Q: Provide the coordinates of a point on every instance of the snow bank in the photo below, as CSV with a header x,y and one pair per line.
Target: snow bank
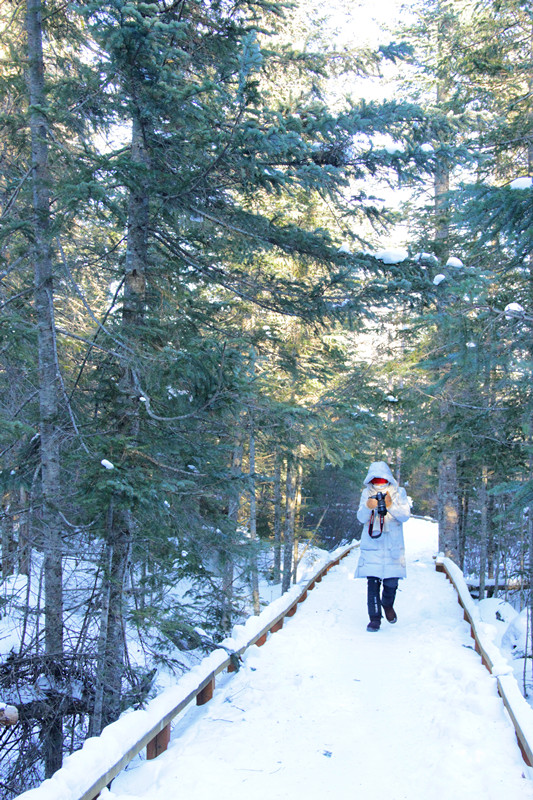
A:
x,y
515,638
122,740
496,661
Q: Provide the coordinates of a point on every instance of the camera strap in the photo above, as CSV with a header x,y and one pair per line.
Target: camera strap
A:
x,y
371,526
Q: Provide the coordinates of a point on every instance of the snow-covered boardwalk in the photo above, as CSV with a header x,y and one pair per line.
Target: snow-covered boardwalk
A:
x,y
326,709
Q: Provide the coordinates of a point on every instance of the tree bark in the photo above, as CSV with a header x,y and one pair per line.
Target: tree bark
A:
x,y
483,533
111,668
253,521
448,495
277,518
228,566
8,542
288,534
24,539
49,426
448,508
297,509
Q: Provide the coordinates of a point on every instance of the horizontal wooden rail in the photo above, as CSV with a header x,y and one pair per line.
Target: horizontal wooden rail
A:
x,y
121,741
519,710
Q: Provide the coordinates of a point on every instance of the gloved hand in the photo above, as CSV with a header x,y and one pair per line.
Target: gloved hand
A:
x,y
9,715
373,503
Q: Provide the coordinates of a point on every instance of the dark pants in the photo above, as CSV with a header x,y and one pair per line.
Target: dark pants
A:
x,y
375,602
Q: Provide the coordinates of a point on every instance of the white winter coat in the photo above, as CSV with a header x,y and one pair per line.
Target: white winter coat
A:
x,y
383,557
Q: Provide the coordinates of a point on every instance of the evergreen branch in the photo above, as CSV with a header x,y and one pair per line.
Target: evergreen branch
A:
x,y
209,169
89,343
237,281
60,375
16,192
83,299
157,463
16,296
192,414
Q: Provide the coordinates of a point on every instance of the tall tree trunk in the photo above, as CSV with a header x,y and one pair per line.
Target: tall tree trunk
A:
x,y
448,495
530,542
253,521
8,540
463,505
112,666
48,372
95,724
24,542
288,534
228,566
137,248
448,508
483,532
297,509
277,517
120,521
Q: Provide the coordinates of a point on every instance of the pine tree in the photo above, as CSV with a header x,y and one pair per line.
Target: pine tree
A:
x,y
220,201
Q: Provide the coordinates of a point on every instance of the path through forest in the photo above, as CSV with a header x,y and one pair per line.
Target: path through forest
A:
x,y
327,709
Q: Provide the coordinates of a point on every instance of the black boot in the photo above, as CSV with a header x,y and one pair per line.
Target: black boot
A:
x,y
390,585
373,601
374,625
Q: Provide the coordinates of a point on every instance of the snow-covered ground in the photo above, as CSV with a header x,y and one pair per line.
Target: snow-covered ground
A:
x,y
325,708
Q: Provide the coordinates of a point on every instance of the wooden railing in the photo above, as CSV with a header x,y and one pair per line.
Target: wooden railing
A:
x,y
120,742
519,710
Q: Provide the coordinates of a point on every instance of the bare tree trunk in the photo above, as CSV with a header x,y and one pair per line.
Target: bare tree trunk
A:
x,y
228,566
448,509
463,515
297,508
288,535
112,668
277,518
491,539
8,542
448,495
95,725
138,220
530,545
483,532
48,370
24,542
253,521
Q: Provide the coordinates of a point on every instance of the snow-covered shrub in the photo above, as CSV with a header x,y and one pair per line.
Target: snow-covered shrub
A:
x,y
494,609
515,639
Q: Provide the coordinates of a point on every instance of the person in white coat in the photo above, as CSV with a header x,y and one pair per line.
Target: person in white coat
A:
x,y
382,553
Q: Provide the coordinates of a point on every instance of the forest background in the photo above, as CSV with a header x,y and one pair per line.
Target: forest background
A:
x,y
230,278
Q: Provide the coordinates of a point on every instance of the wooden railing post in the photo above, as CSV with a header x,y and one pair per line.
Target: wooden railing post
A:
x,y
159,743
205,694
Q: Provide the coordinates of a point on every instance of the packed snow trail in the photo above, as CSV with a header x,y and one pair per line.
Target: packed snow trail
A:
x,y
325,709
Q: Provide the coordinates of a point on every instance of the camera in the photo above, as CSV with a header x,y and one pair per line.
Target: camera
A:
x,y
382,506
